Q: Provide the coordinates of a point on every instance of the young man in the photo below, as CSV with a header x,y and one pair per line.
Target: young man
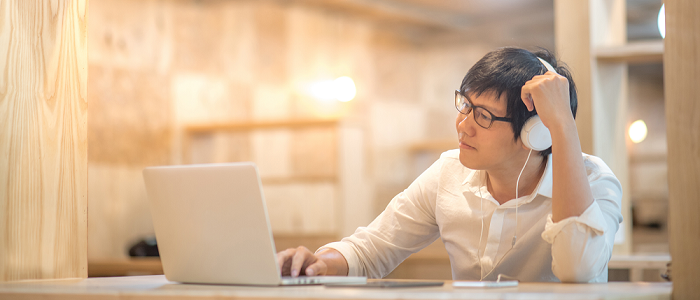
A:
x,y
499,207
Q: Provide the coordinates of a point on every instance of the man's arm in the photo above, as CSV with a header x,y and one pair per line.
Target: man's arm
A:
x,y
571,192
583,225
404,227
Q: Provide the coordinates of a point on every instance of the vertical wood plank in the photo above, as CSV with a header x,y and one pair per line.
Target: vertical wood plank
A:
x,y
573,46
580,27
681,73
43,139
609,102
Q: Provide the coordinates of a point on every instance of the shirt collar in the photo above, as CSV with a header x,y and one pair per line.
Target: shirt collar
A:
x,y
544,187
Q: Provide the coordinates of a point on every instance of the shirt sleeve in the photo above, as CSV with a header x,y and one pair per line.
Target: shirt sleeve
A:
x,y
582,246
406,226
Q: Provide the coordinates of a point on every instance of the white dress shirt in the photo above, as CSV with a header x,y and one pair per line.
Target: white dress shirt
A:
x,y
444,202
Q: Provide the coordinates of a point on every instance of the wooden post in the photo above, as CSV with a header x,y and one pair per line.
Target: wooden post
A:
x,y
573,46
581,27
43,139
682,96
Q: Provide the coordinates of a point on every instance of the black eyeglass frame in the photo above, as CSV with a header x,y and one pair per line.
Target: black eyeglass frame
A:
x,y
472,107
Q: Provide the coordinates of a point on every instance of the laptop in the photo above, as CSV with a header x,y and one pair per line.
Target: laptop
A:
x,y
212,226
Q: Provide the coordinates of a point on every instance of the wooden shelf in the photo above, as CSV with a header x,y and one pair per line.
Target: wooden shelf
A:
x,y
634,52
649,158
440,145
243,126
125,267
637,263
645,261
300,179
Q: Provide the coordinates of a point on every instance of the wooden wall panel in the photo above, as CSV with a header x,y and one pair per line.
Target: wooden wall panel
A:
x,y
214,62
219,147
197,28
118,210
682,93
313,152
43,139
270,38
398,69
132,117
130,34
299,208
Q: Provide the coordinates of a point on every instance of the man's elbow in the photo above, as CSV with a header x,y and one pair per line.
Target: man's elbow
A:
x,y
582,273
588,265
586,276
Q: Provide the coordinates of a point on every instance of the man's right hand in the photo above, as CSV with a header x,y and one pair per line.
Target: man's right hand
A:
x,y
300,261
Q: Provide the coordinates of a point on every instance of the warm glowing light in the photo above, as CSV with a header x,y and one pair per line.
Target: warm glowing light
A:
x,y
662,21
323,90
638,131
344,88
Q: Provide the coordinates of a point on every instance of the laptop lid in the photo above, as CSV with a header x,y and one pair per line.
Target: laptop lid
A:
x,y
211,224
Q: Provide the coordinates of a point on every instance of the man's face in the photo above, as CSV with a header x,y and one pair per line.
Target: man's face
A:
x,y
492,148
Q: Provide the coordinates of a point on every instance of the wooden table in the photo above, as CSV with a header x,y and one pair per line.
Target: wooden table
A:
x,y
157,287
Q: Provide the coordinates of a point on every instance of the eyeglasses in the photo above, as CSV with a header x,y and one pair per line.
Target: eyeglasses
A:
x,y
482,116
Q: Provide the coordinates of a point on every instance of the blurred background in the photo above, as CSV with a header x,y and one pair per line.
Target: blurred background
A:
x,y
205,81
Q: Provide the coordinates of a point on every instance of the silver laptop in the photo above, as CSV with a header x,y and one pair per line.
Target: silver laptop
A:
x,y
212,226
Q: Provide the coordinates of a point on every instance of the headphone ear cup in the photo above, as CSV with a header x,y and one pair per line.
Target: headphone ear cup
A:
x,y
535,135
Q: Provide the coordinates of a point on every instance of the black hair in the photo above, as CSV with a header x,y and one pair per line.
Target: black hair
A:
x,y
505,71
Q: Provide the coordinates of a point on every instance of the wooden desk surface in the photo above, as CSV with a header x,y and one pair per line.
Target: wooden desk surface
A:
x,y
157,287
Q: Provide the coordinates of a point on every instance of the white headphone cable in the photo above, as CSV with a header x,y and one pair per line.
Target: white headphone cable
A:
x,y
517,183
478,248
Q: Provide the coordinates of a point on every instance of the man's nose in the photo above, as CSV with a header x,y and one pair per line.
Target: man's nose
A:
x,y
465,125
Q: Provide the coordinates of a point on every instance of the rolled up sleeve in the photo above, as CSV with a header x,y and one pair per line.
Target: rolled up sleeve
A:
x,y
348,252
406,226
582,245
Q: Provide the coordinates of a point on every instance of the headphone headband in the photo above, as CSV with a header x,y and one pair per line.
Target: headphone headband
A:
x,y
547,65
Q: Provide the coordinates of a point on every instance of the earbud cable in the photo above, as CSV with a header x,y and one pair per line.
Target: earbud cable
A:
x,y
478,249
517,184
515,235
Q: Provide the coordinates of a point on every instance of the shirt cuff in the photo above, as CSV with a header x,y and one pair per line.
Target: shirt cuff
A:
x,y
350,257
591,218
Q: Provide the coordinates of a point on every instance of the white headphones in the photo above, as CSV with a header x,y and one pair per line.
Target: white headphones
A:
x,y
534,134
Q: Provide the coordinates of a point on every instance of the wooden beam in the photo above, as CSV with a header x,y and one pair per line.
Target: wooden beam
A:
x,y
573,46
682,96
43,139
246,126
636,52
581,27
404,13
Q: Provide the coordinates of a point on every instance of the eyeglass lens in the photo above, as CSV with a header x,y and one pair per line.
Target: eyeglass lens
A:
x,y
481,116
